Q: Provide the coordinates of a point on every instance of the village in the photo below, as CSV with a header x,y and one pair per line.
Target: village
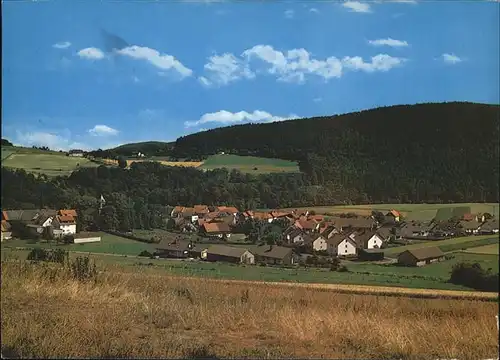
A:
x,y
277,237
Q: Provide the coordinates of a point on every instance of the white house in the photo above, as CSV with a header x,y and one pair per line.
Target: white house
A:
x,y
319,243
67,224
341,245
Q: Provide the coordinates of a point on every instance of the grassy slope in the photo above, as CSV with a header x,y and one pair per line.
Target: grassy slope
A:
x,y
466,241
492,249
249,163
51,163
143,313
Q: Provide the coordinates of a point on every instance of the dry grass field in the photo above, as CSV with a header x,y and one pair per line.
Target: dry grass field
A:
x,y
167,163
141,313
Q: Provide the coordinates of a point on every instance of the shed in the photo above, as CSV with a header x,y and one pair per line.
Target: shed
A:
x,y
272,254
420,257
370,254
228,254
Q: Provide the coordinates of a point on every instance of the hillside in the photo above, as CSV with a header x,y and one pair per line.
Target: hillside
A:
x,y
407,153
151,148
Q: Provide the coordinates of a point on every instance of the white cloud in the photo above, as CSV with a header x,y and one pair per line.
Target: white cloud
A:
x,y
380,62
294,65
356,6
52,140
225,117
289,14
224,69
161,61
102,130
451,58
314,10
388,42
404,1
318,99
91,53
62,45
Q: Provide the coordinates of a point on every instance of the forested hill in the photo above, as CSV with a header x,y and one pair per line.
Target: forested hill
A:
x,y
407,152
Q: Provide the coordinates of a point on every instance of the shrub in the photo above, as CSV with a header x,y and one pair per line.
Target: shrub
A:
x,y
473,276
82,269
146,254
56,255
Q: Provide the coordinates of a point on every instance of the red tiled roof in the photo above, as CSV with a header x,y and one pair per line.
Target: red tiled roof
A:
x,y
468,217
229,209
66,219
216,227
262,216
395,213
200,209
68,212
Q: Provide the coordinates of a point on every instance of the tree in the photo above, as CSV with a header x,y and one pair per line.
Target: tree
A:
x,y
122,163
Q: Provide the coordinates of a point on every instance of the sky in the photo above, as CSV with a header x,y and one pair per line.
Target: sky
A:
x,y
96,74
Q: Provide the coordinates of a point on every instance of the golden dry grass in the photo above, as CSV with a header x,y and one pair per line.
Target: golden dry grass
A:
x,y
486,249
141,313
167,163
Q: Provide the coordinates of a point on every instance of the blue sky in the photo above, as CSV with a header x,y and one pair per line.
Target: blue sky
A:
x,y
89,74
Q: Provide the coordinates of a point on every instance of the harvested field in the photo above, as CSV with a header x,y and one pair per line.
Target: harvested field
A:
x,y
49,163
146,314
166,163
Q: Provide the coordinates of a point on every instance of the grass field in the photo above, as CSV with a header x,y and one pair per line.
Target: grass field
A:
x,y
445,245
115,250
486,249
248,164
141,312
109,244
421,212
50,163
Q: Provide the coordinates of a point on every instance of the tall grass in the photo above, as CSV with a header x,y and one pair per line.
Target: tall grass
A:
x,y
147,314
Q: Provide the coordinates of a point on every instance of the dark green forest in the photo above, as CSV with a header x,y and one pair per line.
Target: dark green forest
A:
x,y
408,153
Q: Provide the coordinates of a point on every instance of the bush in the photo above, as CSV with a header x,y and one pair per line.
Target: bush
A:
x,y
56,255
146,254
473,276
82,269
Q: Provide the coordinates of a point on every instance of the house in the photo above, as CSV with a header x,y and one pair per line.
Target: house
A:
x,y
354,223
228,254
216,229
263,216
176,248
67,212
341,245
307,225
200,210
489,227
415,230
368,240
330,231
273,255
385,233
6,230
420,257
176,211
319,243
189,214
393,215
280,214
231,210
297,237
66,223
470,227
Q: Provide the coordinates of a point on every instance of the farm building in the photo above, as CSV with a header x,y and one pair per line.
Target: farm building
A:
x,y
228,254
177,248
489,227
76,153
273,255
84,238
393,216
216,229
470,227
420,257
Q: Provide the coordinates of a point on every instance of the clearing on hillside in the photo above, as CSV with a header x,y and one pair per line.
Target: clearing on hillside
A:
x,y
51,164
421,212
249,164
